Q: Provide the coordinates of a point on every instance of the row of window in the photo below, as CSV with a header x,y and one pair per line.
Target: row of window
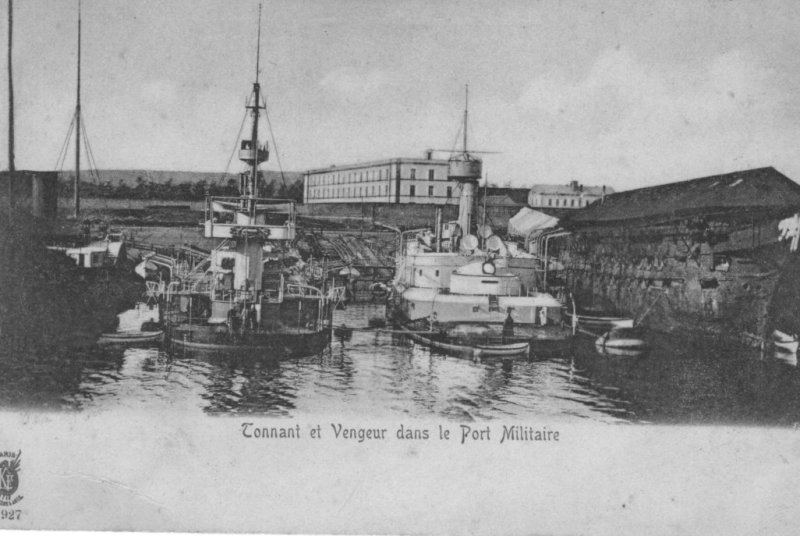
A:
x,y
412,191
361,176
566,202
321,193
370,191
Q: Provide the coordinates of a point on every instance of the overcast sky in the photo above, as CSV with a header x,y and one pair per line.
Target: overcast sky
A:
x,y
620,93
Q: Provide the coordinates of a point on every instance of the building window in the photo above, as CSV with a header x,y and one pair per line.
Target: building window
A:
x,y
413,173
449,191
572,203
411,190
430,174
430,190
549,202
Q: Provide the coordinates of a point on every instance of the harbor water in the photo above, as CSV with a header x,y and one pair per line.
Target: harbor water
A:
x,y
380,374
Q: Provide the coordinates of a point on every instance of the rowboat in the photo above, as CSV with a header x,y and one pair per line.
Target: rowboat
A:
x,y
599,322
270,346
621,341
476,351
130,337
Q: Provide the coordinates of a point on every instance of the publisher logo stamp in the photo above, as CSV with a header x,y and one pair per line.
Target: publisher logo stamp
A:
x,y
9,478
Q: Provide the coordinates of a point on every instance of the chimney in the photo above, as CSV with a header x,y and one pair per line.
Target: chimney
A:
x,y
573,185
603,195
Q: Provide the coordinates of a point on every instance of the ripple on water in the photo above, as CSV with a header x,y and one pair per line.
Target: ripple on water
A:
x,y
378,374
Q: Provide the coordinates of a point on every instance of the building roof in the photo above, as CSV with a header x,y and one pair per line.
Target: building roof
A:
x,y
750,191
517,196
421,160
568,189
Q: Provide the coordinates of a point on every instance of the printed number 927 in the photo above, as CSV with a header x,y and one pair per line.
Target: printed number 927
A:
x,y
11,514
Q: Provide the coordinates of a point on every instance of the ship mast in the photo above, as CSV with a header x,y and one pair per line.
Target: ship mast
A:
x,y
77,189
466,111
466,171
11,166
251,191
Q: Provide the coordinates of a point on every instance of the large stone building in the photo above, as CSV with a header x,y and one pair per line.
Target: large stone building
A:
x,y
395,180
560,196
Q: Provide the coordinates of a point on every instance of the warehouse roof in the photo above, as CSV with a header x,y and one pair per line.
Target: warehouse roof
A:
x,y
754,190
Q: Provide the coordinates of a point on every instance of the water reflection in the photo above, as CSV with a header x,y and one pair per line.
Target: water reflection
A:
x,y
379,374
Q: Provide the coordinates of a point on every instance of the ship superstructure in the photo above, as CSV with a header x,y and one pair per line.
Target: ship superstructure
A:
x,y
469,285
229,300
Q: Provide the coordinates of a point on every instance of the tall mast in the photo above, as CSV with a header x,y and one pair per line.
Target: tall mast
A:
x,y
255,107
77,189
11,166
466,108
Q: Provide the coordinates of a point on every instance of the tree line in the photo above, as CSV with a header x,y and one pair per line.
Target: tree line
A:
x,y
169,190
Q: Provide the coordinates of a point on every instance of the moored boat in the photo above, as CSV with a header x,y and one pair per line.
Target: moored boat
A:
x,y
622,341
470,349
130,337
598,321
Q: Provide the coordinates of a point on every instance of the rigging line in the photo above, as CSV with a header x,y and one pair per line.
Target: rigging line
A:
x,y
62,154
455,141
238,135
274,144
93,170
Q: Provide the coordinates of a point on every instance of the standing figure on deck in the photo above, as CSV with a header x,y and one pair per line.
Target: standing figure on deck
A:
x,y
508,326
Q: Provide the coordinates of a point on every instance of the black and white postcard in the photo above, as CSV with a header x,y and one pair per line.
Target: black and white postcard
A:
x,y
400,267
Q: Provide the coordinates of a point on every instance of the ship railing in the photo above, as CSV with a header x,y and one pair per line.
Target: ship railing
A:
x,y
401,250
198,274
191,286
299,290
336,294
234,295
157,289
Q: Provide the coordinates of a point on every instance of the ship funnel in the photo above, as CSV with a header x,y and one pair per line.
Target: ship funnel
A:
x,y
466,170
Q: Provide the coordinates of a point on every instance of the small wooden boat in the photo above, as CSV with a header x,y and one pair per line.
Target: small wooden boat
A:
x,y
514,348
476,351
597,321
130,337
622,341
273,346
784,342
